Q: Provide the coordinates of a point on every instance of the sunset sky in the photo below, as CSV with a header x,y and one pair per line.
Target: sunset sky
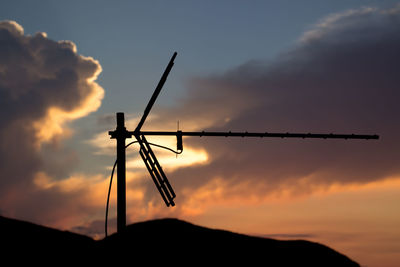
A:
x,y
66,68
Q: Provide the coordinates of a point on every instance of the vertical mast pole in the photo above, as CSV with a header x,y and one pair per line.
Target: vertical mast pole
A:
x,y
121,134
121,174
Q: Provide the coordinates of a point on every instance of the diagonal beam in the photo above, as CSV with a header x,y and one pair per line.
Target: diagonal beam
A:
x,y
156,171
156,92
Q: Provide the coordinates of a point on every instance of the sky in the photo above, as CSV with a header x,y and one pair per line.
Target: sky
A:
x,y
67,67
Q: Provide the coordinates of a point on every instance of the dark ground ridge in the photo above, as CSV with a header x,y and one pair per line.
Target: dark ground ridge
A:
x,y
167,242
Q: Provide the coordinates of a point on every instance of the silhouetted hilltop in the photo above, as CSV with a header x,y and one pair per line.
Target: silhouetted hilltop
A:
x,y
24,242
166,241
179,242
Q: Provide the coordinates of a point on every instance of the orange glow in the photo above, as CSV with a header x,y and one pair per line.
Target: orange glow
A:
x,y
190,156
53,124
169,161
94,187
352,219
357,220
219,192
89,193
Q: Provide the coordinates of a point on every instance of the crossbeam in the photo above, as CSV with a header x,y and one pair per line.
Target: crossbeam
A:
x,y
259,134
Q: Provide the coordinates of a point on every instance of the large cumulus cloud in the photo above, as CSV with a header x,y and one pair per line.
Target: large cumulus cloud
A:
x,y
44,84
342,76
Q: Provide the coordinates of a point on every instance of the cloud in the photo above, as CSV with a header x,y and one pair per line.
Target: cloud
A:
x,y
44,84
340,77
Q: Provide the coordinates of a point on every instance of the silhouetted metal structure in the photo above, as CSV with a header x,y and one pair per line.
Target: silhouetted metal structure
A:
x,y
153,166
